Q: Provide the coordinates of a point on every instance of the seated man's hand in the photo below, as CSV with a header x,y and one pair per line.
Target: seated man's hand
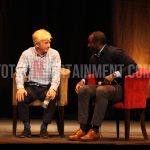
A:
x,y
51,94
20,94
108,79
79,85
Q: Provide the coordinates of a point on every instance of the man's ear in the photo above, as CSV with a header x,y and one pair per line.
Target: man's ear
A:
x,y
36,45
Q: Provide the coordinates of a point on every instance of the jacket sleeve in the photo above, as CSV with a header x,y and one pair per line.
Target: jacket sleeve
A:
x,y
125,63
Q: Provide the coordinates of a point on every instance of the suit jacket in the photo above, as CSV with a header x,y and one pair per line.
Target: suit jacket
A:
x,y
112,59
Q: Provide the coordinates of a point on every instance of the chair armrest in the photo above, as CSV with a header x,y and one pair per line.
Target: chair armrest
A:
x,y
90,79
63,87
148,89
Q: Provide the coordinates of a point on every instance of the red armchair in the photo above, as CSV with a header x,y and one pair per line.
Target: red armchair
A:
x,y
135,96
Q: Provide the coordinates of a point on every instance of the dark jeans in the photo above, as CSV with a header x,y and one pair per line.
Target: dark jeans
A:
x,y
103,96
36,92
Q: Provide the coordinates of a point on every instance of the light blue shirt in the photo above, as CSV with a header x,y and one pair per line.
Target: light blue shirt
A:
x,y
43,69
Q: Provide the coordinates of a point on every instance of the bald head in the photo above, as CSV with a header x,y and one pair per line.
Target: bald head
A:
x,y
98,37
96,41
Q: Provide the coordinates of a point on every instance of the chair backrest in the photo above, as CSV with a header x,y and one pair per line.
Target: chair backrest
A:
x,y
62,90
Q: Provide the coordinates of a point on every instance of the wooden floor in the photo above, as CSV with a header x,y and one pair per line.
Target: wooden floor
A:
x,y
108,131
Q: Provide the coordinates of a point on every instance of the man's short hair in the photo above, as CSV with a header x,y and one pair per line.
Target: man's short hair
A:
x,y
41,34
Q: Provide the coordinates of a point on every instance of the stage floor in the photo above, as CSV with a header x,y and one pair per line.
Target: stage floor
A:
x,y
108,131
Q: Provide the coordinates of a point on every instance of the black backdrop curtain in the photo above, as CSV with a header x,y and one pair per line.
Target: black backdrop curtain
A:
x,y
70,22
125,22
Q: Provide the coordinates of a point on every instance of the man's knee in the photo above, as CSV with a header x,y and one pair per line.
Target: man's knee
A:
x,y
103,89
83,90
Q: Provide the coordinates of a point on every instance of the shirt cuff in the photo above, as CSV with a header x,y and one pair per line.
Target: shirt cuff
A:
x,y
118,74
20,87
54,88
83,80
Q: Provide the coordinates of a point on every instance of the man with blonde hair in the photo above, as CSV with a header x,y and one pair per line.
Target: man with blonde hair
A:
x,y
42,64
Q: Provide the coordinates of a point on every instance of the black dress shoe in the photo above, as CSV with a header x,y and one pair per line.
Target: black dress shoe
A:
x,y
43,133
25,133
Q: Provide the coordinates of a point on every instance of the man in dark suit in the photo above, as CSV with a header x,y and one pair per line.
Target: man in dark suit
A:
x,y
112,65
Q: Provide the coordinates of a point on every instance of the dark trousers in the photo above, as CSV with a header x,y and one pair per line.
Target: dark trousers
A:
x,y
103,96
36,92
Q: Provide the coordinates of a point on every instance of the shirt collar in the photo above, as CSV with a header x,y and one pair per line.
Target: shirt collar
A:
x,y
37,54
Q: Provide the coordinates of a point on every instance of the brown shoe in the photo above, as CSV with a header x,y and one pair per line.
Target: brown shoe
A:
x,y
91,136
77,135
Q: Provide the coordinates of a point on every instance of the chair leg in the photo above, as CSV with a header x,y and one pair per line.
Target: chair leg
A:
x,y
14,120
117,121
117,127
142,122
127,123
60,120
